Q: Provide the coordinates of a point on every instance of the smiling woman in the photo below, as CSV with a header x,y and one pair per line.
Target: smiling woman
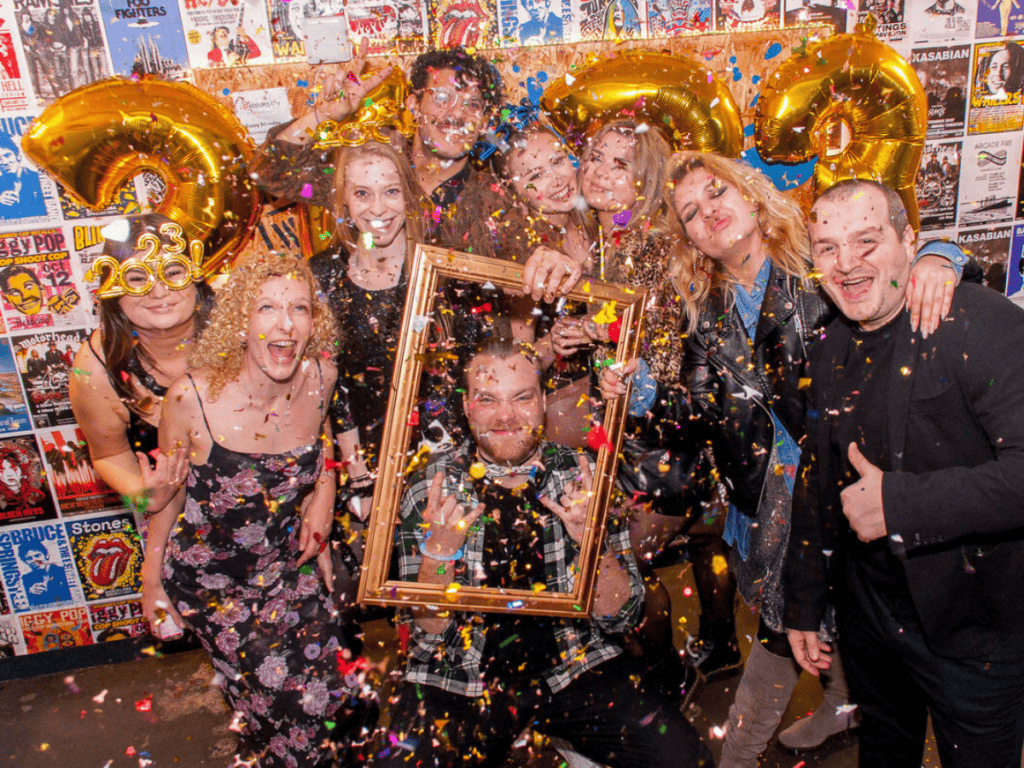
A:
x,y
226,554
152,304
364,275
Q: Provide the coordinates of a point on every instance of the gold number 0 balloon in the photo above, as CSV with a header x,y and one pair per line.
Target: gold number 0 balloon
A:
x,y
694,109
854,80
95,138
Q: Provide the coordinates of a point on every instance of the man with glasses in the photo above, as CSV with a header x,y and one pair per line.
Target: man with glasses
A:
x,y
454,97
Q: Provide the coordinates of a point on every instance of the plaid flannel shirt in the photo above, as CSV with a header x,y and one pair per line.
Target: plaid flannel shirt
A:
x,y
452,659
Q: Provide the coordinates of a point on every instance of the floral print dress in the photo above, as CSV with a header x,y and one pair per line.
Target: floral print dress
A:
x,y
269,627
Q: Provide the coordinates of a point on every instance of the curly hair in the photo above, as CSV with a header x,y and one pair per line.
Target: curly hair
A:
x,y
469,68
416,206
220,350
651,155
780,219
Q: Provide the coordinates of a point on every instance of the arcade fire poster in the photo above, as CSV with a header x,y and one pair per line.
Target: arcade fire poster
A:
x,y
988,179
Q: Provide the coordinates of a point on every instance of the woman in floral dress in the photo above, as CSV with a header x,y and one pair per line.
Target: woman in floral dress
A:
x,y
242,544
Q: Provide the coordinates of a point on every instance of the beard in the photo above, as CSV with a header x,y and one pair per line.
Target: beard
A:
x,y
508,450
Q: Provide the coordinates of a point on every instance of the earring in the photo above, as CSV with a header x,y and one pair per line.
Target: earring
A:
x,y
762,223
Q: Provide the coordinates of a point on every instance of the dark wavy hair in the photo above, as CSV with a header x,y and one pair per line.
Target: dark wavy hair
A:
x,y
469,68
117,333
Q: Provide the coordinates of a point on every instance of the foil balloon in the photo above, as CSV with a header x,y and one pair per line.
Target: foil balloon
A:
x,y
383,109
848,84
97,137
694,109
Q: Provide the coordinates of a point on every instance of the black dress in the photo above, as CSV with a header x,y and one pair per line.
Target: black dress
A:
x,y
370,323
269,627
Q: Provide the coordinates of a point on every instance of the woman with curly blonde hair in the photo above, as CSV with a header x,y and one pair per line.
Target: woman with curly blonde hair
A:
x,y
753,311
226,555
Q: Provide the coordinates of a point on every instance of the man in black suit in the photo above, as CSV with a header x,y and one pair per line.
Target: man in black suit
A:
x,y
908,515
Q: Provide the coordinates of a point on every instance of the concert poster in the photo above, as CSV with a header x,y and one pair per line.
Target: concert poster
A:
x,y
108,553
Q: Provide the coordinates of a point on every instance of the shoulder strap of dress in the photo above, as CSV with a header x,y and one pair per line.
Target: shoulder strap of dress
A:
x,y
88,343
200,401
320,372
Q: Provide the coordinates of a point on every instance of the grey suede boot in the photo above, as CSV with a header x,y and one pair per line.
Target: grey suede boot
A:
x,y
761,699
833,716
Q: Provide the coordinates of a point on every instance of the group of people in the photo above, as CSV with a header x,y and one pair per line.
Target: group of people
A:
x,y
800,369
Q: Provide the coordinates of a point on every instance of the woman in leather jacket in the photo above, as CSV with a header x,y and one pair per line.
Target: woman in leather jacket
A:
x,y
752,312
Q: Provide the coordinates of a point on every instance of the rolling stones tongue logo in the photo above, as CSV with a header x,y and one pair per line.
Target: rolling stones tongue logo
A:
x,y
108,560
460,23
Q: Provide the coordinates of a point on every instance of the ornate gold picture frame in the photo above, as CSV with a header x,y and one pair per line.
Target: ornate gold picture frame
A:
x,y
433,269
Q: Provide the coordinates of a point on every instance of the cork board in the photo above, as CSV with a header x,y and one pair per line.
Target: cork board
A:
x,y
741,59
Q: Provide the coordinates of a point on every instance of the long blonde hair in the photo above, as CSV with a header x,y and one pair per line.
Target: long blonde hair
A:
x,y
651,155
220,349
782,224
346,233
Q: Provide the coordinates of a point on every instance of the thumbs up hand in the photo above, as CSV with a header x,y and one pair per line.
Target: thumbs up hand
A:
x,y
862,501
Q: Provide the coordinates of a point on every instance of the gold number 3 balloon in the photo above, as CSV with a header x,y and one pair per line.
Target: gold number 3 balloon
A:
x,y
95,138
854,81
694,109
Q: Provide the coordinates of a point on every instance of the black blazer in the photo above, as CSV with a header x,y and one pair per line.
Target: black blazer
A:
x,y
954,502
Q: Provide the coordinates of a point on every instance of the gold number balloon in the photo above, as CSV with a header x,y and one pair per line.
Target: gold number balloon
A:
x,y
854,82
95,138
694,109
384,106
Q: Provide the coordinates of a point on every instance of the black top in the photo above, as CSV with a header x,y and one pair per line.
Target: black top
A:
x,y
370,323
142,436
858,415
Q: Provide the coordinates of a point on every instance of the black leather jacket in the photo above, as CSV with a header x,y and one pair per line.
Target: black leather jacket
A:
x,y
732,384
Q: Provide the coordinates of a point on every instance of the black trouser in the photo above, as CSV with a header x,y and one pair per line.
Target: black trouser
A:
x,y
977,707
603,714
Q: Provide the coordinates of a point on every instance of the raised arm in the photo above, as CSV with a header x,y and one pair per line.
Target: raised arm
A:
x,y
340,95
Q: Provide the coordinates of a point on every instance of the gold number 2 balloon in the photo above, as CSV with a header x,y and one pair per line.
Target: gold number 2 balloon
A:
x,y
95,138
694,109
853,81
